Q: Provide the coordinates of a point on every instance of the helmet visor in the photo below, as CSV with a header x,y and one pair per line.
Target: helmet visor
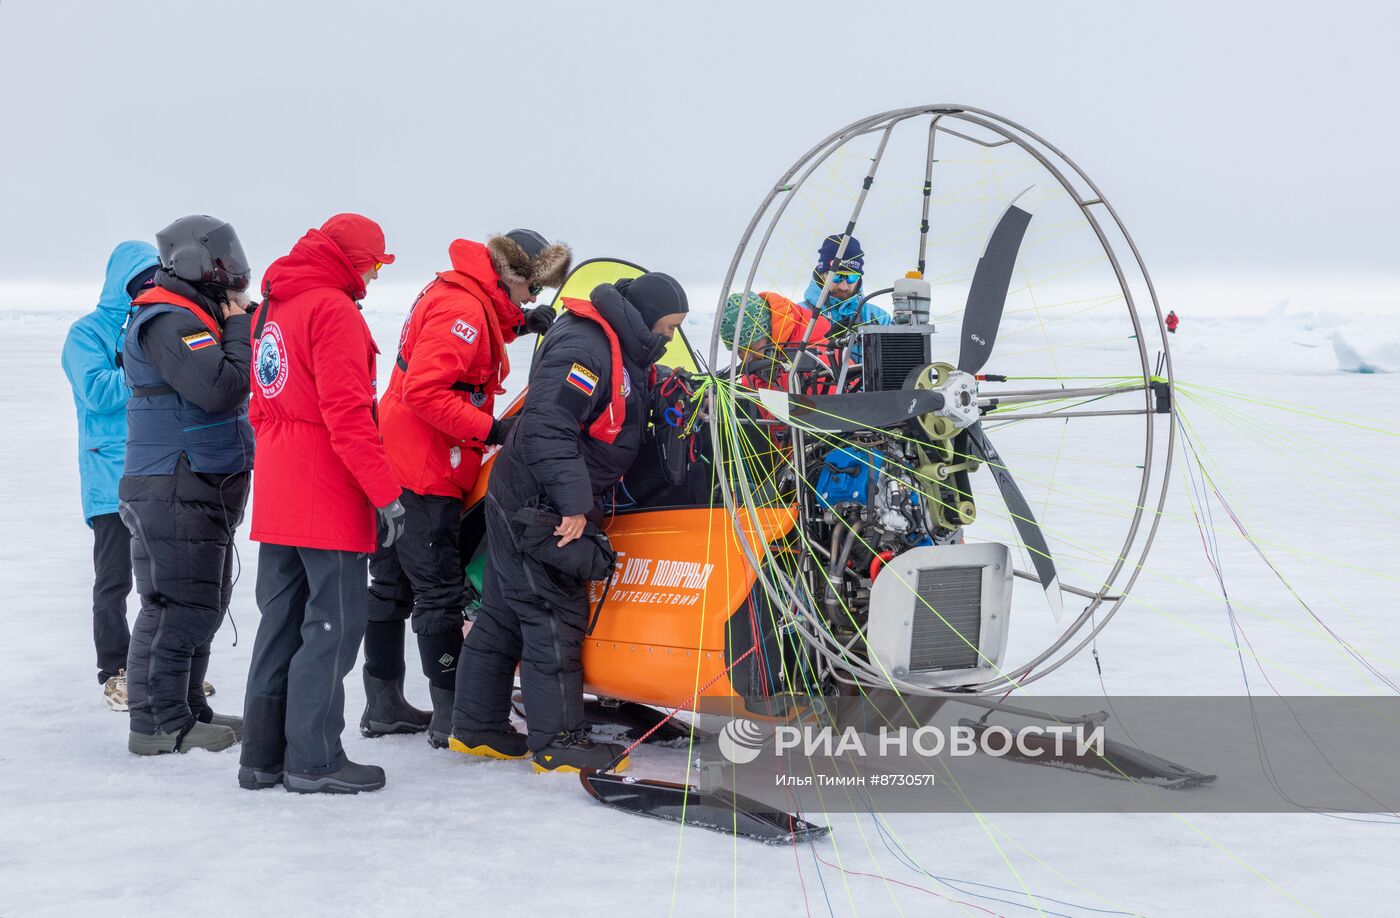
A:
x,y
231,268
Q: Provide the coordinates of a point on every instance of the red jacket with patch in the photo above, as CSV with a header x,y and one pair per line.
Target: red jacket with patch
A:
x,y
321,468
439,405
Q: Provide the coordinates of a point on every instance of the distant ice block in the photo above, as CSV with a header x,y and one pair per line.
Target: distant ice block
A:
x,y
1371,357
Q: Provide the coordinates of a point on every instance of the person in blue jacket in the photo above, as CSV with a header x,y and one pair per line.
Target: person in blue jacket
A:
x,y
91,360
842,306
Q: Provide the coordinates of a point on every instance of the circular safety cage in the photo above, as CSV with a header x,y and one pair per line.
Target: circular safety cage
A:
x,y
984,403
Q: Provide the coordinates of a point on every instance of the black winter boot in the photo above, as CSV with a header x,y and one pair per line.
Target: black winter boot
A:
x,y
250,778
388,711
490,744
440,727
573,751
351,778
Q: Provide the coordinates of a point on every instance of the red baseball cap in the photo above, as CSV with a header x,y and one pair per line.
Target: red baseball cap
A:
x,y
360,238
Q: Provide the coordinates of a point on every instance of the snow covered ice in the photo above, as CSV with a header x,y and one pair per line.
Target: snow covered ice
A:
x,y
89,828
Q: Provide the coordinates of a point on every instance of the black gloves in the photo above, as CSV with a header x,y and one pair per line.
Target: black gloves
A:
x,y
500,429
538,320
391,523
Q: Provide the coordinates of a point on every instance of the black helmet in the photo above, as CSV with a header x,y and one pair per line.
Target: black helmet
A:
x,y
204,250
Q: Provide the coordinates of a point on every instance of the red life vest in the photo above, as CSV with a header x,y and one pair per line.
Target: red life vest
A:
x,y
607,425
161,295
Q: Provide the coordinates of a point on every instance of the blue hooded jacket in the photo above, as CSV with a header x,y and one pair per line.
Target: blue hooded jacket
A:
x,y
99,388
848,312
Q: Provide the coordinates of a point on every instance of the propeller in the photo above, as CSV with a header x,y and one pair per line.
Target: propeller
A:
x,y
986,298
852,411
1021,515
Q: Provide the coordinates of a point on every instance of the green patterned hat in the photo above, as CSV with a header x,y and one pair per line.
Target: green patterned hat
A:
x,y
757,321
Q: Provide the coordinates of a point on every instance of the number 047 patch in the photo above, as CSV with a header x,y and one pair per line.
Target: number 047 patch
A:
x,y
583,379
463,330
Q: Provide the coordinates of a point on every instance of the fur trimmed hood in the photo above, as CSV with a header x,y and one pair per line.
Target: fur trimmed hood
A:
x,y
547,269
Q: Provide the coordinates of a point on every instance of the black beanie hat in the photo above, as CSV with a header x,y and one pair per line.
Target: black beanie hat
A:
x,y
655,295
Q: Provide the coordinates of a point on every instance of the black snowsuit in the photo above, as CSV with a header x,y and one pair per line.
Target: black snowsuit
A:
x,y
531,614
182,497
428,547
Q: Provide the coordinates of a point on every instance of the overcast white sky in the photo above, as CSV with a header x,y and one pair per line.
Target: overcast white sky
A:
x,y
1254,140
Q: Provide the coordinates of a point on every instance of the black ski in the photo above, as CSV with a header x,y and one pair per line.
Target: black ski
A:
x,y
717,811
1119,760
851,412
986,298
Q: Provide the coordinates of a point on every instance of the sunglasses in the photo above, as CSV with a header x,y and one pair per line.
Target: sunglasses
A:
x,y
845,278
378,265
535,289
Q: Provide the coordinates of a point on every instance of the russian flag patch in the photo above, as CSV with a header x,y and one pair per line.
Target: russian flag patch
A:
x,y
583,379
199,342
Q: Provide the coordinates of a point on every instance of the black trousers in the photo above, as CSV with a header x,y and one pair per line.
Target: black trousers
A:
x,y
422,573
531,617
182,556
422,577
314,606
111,585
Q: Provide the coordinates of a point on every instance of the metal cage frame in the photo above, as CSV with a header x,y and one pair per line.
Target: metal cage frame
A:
x,y
1129,270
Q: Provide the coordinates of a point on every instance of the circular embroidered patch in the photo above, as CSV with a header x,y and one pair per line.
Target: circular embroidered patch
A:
x,y
271,367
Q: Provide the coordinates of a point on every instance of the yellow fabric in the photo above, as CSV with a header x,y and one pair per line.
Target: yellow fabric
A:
x,y
595,271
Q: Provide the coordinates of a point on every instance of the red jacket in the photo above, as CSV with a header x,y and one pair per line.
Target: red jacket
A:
x,y
788,324
321,468
439,406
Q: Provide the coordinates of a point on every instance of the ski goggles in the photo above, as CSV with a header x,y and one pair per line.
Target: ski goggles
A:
x,y
845,278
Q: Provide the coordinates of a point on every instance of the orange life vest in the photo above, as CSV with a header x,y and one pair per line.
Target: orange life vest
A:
x,y
607,425
161,295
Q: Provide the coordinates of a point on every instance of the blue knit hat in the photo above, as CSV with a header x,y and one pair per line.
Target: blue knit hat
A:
x,y
852,261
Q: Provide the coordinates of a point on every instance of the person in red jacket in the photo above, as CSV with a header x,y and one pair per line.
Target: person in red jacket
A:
x,y
437,417
320,473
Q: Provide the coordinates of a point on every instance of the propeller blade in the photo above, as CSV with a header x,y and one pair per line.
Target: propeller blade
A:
x,y
986,298
850,412
1029,529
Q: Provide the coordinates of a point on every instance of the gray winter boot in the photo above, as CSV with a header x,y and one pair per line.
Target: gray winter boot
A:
x,y
440,729
352,778
232,721
388,711
200,736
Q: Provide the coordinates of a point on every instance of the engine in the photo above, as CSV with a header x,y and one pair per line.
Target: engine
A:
x,y
931,610
876,498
